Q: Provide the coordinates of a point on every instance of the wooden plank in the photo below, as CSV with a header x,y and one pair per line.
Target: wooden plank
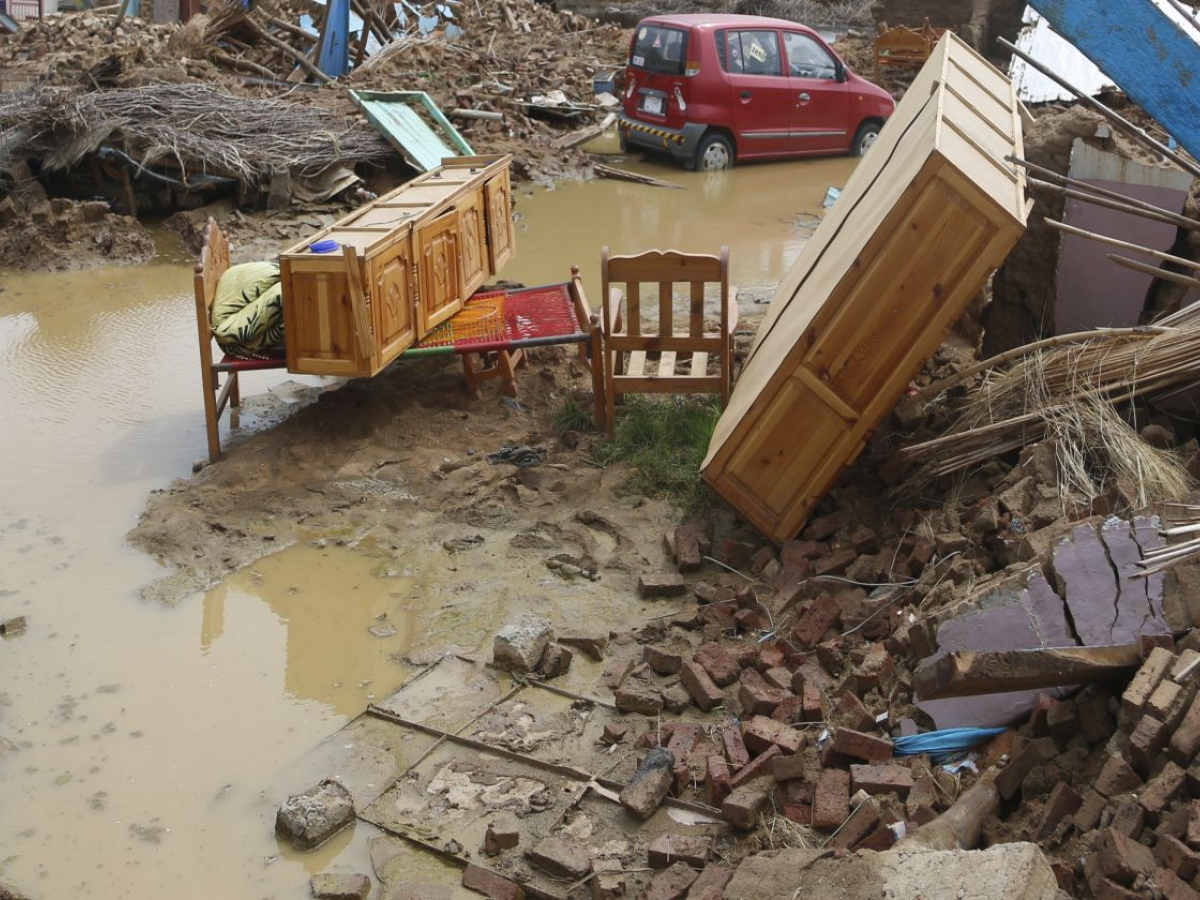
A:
x,y
680,384
968,673
623,175
699,364
653,343
696,310
637,365
666,315
633,306
666,364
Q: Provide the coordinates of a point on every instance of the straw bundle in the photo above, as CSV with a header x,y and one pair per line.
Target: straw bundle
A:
x,y
1070,391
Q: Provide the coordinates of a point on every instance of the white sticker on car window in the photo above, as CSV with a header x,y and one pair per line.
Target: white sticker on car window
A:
x,y
639,60
757,52
642,34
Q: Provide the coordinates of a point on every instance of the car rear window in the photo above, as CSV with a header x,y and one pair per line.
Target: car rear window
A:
x,y
659,49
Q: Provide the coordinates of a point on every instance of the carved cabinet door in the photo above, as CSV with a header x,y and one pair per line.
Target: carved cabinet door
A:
x,y
501,242
438,276
472,236
392,293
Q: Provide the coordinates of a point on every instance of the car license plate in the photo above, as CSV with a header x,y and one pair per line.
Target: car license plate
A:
x,y
652,104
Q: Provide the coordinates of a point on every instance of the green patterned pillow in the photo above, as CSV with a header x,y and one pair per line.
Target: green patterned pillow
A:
x,y
247,312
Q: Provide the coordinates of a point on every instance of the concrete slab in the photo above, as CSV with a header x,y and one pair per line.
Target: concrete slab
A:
x,y
1003,872
1022,613
1085,578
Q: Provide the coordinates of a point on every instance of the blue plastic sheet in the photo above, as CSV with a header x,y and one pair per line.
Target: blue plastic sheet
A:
x,y
944,743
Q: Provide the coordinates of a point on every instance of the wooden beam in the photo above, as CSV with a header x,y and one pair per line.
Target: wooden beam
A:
x,y
623,175
968,673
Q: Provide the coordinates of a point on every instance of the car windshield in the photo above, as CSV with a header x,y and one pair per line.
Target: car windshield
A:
x,y
659,49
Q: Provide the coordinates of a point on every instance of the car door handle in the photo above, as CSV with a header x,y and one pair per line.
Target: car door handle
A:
x,y
804,98
745,95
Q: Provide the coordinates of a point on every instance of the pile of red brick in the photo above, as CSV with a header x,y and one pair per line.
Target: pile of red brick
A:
x,y
1113,801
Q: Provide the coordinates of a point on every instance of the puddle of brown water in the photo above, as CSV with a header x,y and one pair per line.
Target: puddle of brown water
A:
x,y
150,739
764,213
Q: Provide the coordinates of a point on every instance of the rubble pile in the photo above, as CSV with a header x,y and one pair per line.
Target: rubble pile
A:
x,y
64,234
87,49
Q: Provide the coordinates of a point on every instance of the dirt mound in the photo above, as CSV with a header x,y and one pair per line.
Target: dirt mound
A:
x,y
63,234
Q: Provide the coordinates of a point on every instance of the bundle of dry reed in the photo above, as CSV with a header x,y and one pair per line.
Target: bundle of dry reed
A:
x,y
1185,521
1070,388
196,127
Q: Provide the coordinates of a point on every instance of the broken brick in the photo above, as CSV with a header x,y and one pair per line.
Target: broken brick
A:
x,y
652,586
790,710
1087,816
701,687
789,768
1117,777
1012,776
1095,722
851,712
717,780
835,563
1161,790
813,703
1147,741
719,663
821,615
670,884
759,767
1175,855
1128,817
863,820
710,885
490,884
501,834
1064,801
777,677
663,660
742,806
560,858
668,848
645,791
1192,836
1148,677
1167,703
1117,858
1061,722
1172,887
761,733
1185,742
831,799
859,745
735,748
756,696
881,779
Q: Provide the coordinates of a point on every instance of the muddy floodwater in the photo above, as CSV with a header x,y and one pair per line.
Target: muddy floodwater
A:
x,y
141,744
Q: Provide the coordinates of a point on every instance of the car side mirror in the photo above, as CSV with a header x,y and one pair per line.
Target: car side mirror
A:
x,y
839,71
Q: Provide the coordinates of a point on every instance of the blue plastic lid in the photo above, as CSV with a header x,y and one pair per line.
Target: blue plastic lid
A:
x,y
326,246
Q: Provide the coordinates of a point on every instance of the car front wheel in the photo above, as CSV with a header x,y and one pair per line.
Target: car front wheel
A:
x,y
714,153
865,139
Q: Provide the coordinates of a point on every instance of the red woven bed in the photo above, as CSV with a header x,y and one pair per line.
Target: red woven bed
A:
x,y
506,320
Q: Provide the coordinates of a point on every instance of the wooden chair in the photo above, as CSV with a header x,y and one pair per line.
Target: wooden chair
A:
x,y
681,358
214,261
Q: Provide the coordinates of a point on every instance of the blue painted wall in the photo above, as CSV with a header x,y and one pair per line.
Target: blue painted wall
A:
x,y
1146,54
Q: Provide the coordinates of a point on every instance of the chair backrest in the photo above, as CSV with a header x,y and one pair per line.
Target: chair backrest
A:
x,y
214,262
666,268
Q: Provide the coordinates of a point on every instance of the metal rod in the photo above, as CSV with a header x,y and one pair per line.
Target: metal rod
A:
x,y
1112,115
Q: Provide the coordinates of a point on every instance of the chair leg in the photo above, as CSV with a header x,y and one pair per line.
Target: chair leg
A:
x,y
610,399
235,401
211,423
508,376
596,366
469,376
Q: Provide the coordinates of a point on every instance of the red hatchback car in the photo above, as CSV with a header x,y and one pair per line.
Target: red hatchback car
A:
x,y
711,90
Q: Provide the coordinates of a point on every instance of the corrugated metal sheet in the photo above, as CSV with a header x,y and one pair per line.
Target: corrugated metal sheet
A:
x,y
407,131
1041,42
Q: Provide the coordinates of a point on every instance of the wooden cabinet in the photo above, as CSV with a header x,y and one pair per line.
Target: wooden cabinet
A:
x,y
440,296
497,196
927,215
419,252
